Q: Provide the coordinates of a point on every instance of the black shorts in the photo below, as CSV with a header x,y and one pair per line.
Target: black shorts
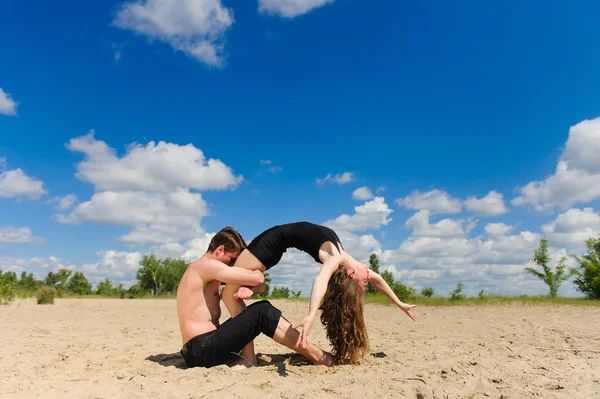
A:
x,y
268,247
271,244
222,345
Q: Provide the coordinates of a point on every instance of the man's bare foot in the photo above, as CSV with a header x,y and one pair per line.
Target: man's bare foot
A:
x,y
241,365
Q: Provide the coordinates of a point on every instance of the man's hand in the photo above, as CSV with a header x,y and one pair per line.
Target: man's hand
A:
x,y
406,309
243,293
306,325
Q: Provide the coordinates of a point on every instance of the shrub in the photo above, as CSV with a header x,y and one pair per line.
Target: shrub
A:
x,y
427,292
403,292
45,295
457,293
7,291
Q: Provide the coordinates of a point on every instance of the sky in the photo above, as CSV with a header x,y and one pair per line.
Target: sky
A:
x,y
446,138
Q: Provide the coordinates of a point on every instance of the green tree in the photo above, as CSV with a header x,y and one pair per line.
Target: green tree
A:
x,y
587,279
151,275
552,278
457,292
388,277
296,294
104,288
427,292
265,293
58,280
278,293
28,282
373,265
79,284
173,270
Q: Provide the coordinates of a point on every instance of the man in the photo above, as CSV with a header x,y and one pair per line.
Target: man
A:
x,y
206,343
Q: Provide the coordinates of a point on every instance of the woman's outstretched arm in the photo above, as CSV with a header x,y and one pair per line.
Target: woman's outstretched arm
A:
x,y
380,285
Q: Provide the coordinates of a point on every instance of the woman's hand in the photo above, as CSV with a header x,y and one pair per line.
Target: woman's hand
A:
x,y
306,325
406,309
243,293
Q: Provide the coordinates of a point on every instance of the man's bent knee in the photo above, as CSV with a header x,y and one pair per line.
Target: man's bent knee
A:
x,y
267,316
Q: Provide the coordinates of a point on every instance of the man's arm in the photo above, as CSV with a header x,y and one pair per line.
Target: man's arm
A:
x,y
216,270
380,285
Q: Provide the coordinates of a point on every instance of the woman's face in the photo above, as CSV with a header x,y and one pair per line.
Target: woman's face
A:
x,y
360,273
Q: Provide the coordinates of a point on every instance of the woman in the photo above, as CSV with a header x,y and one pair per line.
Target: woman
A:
x,y
336,290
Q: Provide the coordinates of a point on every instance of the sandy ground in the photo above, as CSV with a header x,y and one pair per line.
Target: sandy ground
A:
x,y
102,348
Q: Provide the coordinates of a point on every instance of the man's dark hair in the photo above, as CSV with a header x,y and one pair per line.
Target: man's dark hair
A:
x,y
229,238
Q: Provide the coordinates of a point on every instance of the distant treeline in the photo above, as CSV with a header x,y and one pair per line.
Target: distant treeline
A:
x,y
160,277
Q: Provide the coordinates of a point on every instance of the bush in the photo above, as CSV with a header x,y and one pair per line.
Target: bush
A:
x,y
7,291
45,295
457,293
403,292
427,292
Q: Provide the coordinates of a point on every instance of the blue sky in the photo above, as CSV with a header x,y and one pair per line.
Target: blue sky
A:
x,y
432,104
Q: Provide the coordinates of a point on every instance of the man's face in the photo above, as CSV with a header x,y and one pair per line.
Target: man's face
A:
x,y
228,258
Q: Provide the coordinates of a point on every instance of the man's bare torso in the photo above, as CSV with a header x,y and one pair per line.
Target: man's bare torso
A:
x,y
198,306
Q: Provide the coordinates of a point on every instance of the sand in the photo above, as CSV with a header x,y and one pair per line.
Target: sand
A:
x,y
103,348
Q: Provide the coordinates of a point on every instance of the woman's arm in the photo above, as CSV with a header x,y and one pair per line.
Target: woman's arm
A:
x,y
319,288
380,285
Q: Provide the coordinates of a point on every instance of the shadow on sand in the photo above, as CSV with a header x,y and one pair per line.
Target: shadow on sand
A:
x,y
280,361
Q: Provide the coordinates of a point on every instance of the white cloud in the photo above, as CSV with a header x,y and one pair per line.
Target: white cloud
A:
x,y
3,164
147,189
344,178
275,169
571,228
190,250
577,176
154,167
67,201
8,106
265,162
18,235
583,146
495,230
15,183
362,194
39,266
495,265
380,189
117,266
155,217
289,8
435,201
370,215
421,227
195,27
490,205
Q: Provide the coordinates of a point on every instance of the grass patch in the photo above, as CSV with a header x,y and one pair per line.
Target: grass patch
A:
x,y
486,300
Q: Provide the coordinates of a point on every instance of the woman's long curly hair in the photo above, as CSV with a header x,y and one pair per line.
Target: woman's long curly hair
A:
x,y
342,316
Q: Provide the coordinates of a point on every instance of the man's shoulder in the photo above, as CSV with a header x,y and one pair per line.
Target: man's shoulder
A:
x,y
205,266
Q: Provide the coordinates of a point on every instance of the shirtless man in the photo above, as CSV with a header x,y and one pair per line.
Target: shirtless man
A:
x,y
206,343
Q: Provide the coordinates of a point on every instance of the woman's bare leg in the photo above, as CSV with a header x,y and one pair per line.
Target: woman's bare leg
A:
x,y
236,306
